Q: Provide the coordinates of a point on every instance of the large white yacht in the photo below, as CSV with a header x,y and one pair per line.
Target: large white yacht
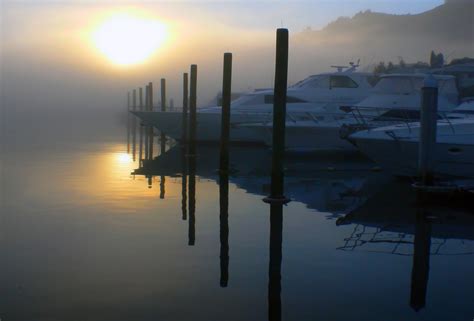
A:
x,y
396,147
317,94
396,98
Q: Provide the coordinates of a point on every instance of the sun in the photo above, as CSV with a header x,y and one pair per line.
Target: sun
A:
x,y
127,39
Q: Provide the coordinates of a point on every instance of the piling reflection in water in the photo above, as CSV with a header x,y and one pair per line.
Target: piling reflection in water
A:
x,y
184,184
381,223
128,122
224,226
274,269
421,261
192,199
404,228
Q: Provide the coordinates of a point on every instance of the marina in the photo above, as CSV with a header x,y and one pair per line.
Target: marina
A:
x,y
199,163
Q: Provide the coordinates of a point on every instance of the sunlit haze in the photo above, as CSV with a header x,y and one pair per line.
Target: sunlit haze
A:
x,y
126,39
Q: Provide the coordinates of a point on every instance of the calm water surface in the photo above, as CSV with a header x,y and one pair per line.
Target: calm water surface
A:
x,y
89,234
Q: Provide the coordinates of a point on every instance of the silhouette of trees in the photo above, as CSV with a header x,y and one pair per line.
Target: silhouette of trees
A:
x,y
460,61
436,60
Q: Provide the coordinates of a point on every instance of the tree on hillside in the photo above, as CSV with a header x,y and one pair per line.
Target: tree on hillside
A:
x,y
436,60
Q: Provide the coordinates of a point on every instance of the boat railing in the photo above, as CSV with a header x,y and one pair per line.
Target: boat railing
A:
x,y
382,239
349,118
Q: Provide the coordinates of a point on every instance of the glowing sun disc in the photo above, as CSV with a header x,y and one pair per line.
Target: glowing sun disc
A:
x,y
125,39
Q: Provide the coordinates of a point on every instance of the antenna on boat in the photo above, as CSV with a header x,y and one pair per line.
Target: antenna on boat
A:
x,y
353,67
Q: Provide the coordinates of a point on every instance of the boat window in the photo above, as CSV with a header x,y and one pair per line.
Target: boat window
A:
x,y
289,99
466,85
342,82
398,85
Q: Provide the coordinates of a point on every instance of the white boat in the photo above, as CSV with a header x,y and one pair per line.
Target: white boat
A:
x,y
322,93
396,98
396,147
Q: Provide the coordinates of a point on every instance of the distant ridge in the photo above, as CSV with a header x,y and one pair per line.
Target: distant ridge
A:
x,y
446,28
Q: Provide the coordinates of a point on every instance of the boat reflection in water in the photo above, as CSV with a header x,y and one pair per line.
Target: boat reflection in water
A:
x,y
330,183
397,226
343,187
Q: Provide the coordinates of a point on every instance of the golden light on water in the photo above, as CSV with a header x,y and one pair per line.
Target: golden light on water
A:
x,y
127,39
123,158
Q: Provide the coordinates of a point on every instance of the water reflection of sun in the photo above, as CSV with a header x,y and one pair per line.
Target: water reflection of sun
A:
x,y
127,39
123,158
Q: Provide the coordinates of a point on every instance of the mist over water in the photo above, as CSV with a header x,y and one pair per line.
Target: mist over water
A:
x,y
89,232
82,237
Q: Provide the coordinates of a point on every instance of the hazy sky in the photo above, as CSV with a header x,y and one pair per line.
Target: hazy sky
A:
x,y
295,15
48,58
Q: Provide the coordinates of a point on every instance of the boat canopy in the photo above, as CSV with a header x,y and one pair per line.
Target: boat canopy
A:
x,y
336,80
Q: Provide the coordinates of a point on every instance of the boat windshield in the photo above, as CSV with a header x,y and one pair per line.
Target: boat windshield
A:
x,y
313,81
250,99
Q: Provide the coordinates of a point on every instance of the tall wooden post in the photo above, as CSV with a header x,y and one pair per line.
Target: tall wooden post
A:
x,y
140,148
429,119
146,129
163,109
225,117
184,137
128,122
134,124
279,117
192,111
150,129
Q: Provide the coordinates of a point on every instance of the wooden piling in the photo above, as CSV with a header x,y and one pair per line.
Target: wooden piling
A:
x,y
163,109
163,94
150,93
128,122
184,132
192,111
225,114
140,99
146,129
279,117
140,107
428,127
150,127
134,124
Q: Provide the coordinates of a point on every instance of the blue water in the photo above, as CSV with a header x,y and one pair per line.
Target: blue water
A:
x,y
89,234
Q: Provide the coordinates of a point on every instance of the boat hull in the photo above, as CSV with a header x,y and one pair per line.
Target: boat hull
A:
x,y
453,156
311,138
208,125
